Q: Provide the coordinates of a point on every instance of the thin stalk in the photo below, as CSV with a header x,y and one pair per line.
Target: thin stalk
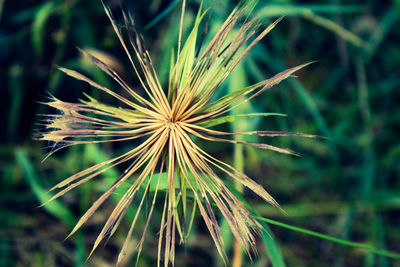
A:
x,y
340,241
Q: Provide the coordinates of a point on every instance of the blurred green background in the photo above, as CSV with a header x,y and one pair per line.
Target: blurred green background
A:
x,y
346,187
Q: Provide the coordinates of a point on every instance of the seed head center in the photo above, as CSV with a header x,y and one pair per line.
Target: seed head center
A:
x,y
170,125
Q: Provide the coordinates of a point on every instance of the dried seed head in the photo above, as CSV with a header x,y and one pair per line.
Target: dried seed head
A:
x,y
167,120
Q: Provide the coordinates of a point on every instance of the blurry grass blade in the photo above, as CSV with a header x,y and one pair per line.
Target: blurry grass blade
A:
x,y
276,10
16,92
171,88
55,208
239,79
162,15
194,207
38,27
335,28
379,34
312,107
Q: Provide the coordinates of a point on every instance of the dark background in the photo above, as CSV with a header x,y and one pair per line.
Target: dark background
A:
x,y
347,186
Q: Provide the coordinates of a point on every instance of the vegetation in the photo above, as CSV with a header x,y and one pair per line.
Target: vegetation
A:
x,y
341,197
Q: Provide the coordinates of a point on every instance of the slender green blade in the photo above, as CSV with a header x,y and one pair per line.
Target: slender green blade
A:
x,y
39,24
273,250
56,208
340,241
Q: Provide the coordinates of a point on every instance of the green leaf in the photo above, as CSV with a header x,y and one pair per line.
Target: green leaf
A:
x,y
273,250
56,208
171,75
232,118
163,182
186,58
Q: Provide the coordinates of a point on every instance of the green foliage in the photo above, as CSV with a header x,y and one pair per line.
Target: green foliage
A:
x,y
39,23
55,208
346,187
